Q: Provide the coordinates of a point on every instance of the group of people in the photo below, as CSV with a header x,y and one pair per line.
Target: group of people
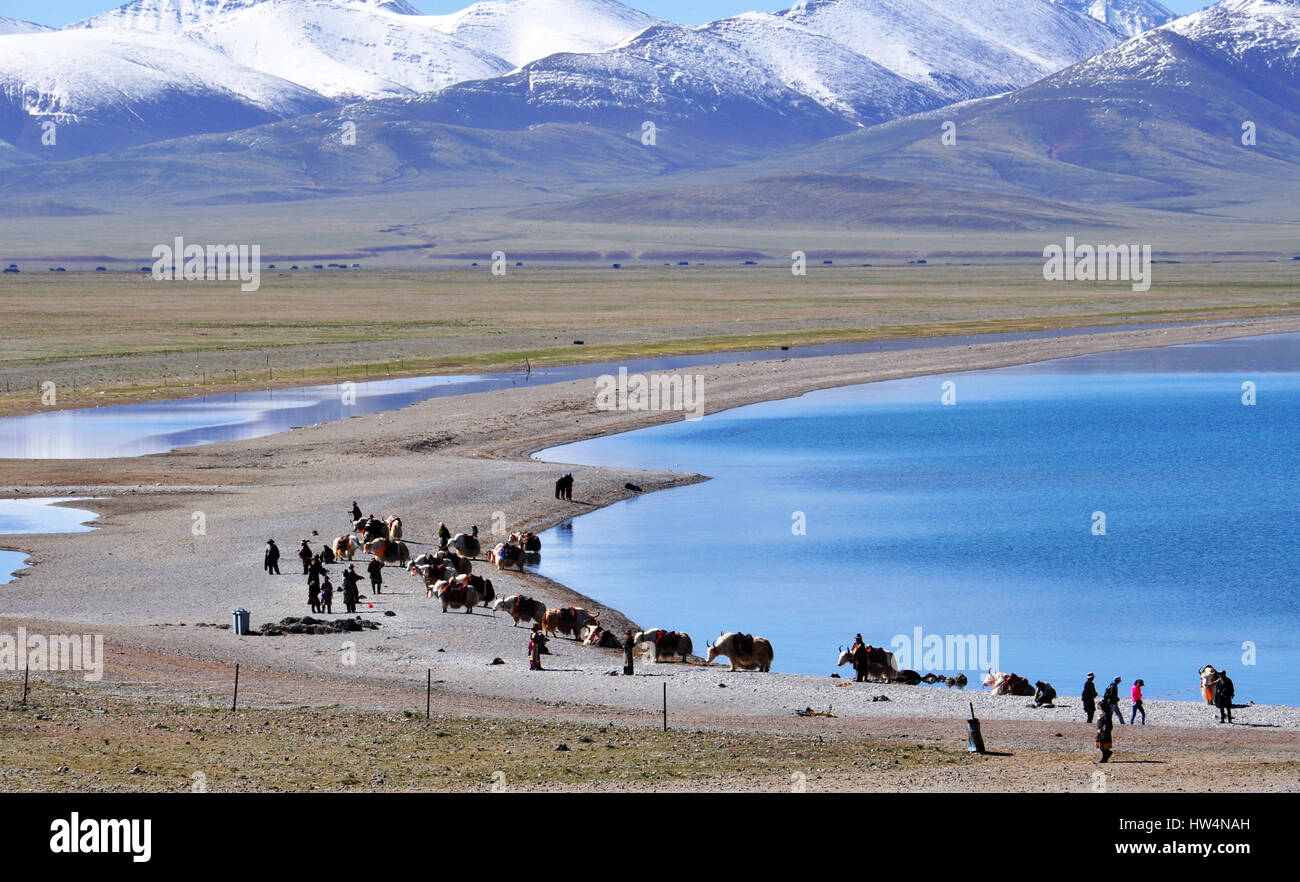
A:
x,y
320,590
1110,700
1110,710
1217,686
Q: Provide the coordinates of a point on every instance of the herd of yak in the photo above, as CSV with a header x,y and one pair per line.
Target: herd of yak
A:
x,y
448,576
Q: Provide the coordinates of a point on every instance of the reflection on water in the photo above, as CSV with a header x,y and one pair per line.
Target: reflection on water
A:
x,y
40,515
139,429
976,519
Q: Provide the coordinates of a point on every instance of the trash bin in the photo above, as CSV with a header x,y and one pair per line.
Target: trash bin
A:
x,y
974,740
241,621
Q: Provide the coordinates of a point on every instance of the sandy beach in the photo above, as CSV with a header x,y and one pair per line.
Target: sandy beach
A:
x,y
158,592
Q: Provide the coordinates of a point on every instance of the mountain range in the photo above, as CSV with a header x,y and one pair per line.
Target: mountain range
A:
x,y
844,113
158,68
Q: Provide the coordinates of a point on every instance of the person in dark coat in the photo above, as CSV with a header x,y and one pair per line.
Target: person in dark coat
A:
x,y
313,595
305,555
1090,696
1110,700
376,570
326,554
272,559
1224,692
629,646
1105,728
350,593
536,646
315,569
564,487
1044,695
326,595
356,512
444,535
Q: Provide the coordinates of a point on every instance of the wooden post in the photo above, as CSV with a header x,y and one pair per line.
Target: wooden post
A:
x,y
235,703
428,692
665,707
27,669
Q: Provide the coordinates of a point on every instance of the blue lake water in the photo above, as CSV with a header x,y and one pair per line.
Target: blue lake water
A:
x,y
140,429
978,518
36,516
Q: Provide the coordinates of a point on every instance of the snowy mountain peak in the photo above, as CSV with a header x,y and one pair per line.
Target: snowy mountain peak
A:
x,y
170,15
1129,17
525,30
17,26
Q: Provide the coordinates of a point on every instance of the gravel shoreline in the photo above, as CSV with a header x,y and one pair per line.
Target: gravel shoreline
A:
x,y
144,579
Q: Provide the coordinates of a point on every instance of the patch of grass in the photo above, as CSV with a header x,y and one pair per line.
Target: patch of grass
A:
x,y
75,740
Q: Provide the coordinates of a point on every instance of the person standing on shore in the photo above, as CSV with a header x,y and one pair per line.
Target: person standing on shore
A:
x,y
305,555
272,559
1224,692
350,593
629,646
1105,728
1137,702
1090,696
313,595
444,536
564,487
327,595
1110,700
376,570
356,512
536,644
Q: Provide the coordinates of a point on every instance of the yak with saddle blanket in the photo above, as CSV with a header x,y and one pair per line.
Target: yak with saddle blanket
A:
x,y
522,609
595,635
667,644
461,592
570,621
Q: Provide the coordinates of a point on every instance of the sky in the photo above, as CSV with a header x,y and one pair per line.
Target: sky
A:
x,y
58,13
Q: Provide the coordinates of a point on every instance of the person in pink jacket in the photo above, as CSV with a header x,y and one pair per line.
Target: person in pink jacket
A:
x,y
1137,703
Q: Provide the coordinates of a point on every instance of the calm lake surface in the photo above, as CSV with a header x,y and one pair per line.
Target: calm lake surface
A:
x,y
140,429
978,519
36,516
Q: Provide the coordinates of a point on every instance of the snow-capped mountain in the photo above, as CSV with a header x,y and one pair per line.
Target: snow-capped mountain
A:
x,y
521,31
1129,17
174,15
959,48
18,26
366,49
346,50
815,70
1200,113
105,89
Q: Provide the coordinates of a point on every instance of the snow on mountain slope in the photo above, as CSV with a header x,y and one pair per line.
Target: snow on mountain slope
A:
x,y
173,15
365,49
347,50
521,31
1129,17
821,68
960,48
17,26
131,87
1258,35
671,75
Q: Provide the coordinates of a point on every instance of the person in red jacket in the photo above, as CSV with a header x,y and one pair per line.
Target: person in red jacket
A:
x,y
1137,703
